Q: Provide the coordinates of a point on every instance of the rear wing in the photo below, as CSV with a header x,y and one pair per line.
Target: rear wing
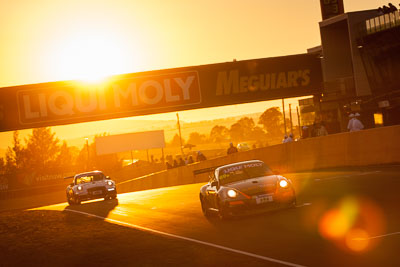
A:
x,y
205,170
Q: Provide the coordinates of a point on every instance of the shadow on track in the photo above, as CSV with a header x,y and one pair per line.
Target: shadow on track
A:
x,y
254,219
101,208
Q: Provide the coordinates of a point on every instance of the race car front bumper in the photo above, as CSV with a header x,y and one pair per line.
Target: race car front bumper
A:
x,y
260,203
96,193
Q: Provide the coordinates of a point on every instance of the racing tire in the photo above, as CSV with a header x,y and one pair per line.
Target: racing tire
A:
x,y
77,201
70,200
204,208
294,203
223,212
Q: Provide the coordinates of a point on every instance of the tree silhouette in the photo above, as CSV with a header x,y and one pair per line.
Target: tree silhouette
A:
x,y
272,120
259,135
66,157
236,132
175,142
2,165
42,149
16,156
82,161
195,138
242,129
247,125
219,134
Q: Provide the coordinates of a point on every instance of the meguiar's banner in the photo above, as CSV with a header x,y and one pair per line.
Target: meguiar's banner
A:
x,y
57,103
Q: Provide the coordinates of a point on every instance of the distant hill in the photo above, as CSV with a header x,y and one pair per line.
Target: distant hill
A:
x,y
204,127
75,134
170,127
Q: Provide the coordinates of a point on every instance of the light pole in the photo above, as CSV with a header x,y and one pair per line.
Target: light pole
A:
x,y
284,116
291,121
180,135
87,149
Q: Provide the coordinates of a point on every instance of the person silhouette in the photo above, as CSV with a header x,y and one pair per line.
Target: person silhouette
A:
x,y
231,149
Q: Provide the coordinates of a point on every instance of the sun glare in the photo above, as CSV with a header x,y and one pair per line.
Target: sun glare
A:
x,y
90,56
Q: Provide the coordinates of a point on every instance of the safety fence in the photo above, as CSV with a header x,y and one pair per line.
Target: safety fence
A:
x,y
383,22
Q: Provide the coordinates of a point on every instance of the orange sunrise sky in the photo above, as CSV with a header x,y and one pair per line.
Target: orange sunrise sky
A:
x,y
53,40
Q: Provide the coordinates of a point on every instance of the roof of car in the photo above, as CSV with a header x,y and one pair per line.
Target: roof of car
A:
x,y
87,173
239,163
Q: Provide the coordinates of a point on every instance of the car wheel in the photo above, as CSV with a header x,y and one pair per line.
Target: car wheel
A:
x,y
294,203
77,201
222,212
204,207
70,200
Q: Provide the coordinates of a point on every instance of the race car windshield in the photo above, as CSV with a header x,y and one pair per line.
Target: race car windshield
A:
x,y
237,173
89,178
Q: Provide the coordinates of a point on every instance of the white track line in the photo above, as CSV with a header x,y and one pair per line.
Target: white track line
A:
x,y
303,205
189,239
344,176
374,237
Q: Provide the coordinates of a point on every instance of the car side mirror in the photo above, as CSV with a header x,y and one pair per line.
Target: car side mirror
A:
x,y
214,183
108,178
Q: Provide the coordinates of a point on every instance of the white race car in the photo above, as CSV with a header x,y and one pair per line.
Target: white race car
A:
x,y
90,185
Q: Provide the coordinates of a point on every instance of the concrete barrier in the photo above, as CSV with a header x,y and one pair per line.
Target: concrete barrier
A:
x,y
32,191
367,147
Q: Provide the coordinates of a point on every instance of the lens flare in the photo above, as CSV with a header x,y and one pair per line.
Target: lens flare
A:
x,y
336,222
351,223
357,240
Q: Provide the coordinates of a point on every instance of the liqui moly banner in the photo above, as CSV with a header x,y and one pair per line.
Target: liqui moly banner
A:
x,y
161,91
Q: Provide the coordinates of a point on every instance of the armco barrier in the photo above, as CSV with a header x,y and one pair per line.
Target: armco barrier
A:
x,y
367,147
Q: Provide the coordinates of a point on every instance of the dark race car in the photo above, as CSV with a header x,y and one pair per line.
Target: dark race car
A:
x,y
245,187
90,185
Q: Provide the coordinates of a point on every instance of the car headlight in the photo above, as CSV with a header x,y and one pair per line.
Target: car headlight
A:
x,y
79,187
232,193
110,183
283,183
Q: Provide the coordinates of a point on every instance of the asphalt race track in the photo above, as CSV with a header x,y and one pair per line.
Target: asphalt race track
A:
x,y
348,217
